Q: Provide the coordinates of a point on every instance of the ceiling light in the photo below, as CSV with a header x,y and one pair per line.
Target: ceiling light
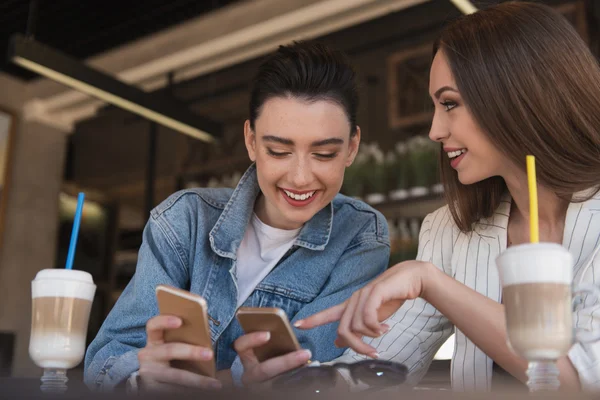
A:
x,y
465,6
59,67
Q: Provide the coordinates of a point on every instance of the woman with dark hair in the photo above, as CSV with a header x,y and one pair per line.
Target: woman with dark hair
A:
x,y
283,238
508,81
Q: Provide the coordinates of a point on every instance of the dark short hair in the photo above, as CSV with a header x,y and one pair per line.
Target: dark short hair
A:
x,y
309,71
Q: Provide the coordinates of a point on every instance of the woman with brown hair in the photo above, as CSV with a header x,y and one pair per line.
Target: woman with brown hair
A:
x,y
508,81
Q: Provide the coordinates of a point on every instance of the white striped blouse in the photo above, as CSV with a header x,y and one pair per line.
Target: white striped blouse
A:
x,y
418,329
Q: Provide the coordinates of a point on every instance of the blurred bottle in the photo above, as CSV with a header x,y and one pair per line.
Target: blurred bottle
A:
x,y
394,237
235,178
213,183
399,173
376,182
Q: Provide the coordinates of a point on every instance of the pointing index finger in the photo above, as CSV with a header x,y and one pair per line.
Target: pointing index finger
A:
x,y
321,318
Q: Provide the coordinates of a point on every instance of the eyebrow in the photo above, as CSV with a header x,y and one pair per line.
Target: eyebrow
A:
x,y
289,142
277,139
443,89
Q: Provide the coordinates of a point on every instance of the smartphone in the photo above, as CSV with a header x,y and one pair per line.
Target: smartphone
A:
x,y
274,320
192,310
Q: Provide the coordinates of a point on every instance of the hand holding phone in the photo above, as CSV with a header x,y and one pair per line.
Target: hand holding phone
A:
x,y
169,359
283,339
269,346
192,310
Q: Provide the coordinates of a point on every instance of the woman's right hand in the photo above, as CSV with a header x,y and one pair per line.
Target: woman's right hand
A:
x,y
363,314
155,370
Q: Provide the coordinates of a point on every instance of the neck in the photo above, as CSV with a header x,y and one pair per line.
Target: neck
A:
x,y
551,209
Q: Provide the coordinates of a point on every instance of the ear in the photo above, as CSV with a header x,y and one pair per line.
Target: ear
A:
x,y
250,140
353,146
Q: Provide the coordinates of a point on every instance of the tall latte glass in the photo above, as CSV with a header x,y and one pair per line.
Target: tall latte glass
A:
x,y
61,303
538,302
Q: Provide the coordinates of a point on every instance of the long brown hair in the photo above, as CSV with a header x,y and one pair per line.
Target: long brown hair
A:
x,y
533,86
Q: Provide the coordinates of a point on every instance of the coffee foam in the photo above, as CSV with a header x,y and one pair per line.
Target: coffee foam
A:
x,y
535,263
63,283
56,350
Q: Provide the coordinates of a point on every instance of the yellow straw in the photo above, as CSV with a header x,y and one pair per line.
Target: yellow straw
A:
x,y
534,233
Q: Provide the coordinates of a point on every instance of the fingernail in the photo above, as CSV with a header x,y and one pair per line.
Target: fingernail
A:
x,y
374,355
298,324
266,336
174,322
305,353
206,354
215,385
384,329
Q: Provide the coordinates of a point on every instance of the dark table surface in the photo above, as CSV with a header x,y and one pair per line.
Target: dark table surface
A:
x,y
30,388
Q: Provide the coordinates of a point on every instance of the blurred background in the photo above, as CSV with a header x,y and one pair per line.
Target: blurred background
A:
x,y
180,72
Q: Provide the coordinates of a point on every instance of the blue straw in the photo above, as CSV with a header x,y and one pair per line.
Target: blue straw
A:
x,y
75,232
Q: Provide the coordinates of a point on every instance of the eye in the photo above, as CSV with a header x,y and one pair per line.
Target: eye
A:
x,y
448,104
326,156
277,154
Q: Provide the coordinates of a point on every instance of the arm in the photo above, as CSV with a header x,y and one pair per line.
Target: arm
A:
x,y
484,324
478,317
585,357
113,355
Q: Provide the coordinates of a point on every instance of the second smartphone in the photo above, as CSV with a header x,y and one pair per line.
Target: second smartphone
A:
x,y
273,320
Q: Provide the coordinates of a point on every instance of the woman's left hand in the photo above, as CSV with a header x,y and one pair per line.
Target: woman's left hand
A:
x,y
258,373
361,315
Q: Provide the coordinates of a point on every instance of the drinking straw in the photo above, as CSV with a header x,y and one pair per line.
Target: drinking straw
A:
x,y
534,231
75,232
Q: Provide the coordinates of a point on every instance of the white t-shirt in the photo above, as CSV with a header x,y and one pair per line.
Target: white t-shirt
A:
x,y
260,250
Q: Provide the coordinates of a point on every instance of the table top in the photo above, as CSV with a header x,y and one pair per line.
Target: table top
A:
x,y
29,387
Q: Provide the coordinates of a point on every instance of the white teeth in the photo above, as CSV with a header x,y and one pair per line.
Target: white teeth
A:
x,y
299,197
454,154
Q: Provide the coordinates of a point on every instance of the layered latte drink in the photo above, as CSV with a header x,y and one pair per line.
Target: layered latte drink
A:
x,y
538,319
61,303
536,292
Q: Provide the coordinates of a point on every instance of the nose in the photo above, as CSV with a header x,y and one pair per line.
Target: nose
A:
x,y
301,173
439,130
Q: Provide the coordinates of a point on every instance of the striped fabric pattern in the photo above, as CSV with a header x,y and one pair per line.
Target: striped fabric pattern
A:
x,y
418,329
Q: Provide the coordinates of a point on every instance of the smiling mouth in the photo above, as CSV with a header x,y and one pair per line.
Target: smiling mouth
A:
x,y
299,197
453,154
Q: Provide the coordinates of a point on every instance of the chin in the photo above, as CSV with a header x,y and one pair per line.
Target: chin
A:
x,y
469,179
295,221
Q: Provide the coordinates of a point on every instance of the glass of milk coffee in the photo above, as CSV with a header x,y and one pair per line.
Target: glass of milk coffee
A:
x,y
537,293
61,303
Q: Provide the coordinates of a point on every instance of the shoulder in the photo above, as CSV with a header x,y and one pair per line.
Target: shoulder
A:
x,y
439,222
185,214
192,200
347,210
441,215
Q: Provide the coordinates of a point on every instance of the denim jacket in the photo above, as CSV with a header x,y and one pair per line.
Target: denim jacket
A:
x,y
191,241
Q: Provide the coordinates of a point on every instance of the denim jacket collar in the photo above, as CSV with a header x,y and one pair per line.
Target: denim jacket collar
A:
x,y
227,234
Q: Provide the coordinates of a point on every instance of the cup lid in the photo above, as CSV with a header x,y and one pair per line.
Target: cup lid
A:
x,y
65,274
535,263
